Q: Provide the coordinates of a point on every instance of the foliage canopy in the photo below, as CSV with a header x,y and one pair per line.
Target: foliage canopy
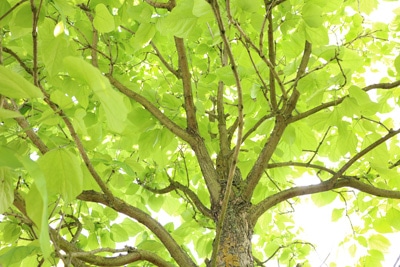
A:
x,y
115,112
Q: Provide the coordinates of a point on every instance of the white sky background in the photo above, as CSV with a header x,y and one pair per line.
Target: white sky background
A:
x,y
316,222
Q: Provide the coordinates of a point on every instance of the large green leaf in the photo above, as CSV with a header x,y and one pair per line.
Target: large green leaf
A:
x,y
12,255
112,103
143,35
6,189
15,86
36,204
63,174
4,7
312,15
8,114
180,22
324,198
9,158
103,20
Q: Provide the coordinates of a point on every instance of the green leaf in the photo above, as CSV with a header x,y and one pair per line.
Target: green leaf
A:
x,y
397,64
11,232
143,36
118,233
4,7
378,242
103,20
337,214
112,103
9,114
15,86
36,205
6,189
381,225
312,15
150,245
324,198
392,217
155,202
180,22
63,174
53,51
202,9
23,16
9,158
316,36
12,255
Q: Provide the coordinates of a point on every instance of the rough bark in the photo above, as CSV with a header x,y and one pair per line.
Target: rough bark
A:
x,y
235,247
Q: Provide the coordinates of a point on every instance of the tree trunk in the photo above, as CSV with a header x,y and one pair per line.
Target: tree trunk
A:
x,y
235,243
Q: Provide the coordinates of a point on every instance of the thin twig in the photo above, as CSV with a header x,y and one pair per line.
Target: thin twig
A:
x,y
11,9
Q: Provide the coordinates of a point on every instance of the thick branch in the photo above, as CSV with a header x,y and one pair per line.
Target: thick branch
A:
x,y
300,164
169,5
187,86
268,150
360,154
155,227
224,142
132,255
186,190
269,202
385,86
195,141
232,165
161,117
337,180
266,153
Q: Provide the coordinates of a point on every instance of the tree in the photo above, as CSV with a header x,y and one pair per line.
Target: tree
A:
x,y
212,112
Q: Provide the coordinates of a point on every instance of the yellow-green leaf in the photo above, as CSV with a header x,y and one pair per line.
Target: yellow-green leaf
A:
x,y
6,189
63,174
15,86
103,21
112,102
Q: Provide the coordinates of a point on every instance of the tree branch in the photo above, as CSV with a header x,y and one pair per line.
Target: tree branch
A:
x,y
162,59
161,117
224,141
132,254
155,227
337,180
169,5
195,141
336,102
190,108
21,63
11,9
233,160
24,124
271,55
95,36
360,154
268,150
259,209
256,125
178,186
